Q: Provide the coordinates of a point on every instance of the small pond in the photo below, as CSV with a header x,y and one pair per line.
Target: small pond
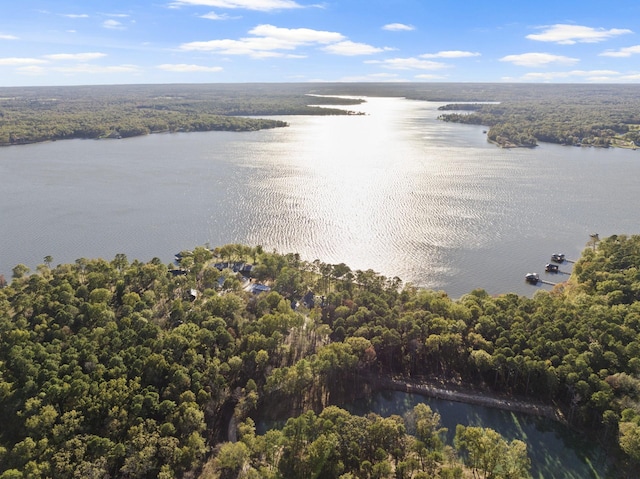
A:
x,y
556,451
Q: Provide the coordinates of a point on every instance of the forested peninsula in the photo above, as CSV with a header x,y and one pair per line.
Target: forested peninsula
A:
x,y
574,115
516,115
523,114
30,115
119,368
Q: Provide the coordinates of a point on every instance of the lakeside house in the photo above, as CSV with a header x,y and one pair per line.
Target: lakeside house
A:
x,y
236,267
257,288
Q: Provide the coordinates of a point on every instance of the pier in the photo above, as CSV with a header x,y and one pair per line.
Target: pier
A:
x,y
552,268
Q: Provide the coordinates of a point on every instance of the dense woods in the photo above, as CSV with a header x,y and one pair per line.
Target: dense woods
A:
x,y
517,114
127,369
523,114
29,115
574,115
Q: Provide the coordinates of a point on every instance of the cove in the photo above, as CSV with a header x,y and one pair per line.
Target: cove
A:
x,y
556,452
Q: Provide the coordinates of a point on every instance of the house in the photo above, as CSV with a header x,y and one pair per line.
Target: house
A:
x,y
257,288
237,267
178,272
309,300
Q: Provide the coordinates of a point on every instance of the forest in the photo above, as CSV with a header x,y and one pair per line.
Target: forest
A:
x,y
515,114
29,115
598,116
118,368
523,124
523,114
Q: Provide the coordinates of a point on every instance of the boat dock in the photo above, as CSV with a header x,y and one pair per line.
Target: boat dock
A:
x,y
551,268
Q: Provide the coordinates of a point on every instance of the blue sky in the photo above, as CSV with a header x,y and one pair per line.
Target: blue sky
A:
x,y
71,42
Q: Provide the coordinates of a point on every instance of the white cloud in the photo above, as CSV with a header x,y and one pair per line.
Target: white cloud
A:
x,y
247,46
74,15
94,69
603,79
34,70
297,36
384,76
7,37
622,53
398,27
408,64
268,42
450,54
253,47
113,25
589,75
217,16
375,77
259,5
349,48
16,61
569,34
79,57
538,59
429,76
182,67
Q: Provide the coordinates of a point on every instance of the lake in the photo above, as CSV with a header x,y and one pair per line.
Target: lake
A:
x,y
394,190
555,451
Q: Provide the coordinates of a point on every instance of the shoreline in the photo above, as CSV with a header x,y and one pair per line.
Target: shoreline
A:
x,y
111,137
454,392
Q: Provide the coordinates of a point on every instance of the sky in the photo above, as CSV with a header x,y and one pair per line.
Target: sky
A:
x,y
84,42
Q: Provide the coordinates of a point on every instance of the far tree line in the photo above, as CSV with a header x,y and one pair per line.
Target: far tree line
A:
x,y
29,115
515,114
524,124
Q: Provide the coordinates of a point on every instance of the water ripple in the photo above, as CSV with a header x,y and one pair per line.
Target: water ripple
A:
x,y
394,190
